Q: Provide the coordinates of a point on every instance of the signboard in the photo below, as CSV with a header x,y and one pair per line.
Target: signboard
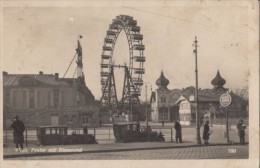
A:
x,y
191,99
225,99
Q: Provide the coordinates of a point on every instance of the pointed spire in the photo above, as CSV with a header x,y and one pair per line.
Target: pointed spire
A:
x,y
162,82
79,58
218,81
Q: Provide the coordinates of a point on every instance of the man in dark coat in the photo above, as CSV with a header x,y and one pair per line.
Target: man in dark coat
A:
x,y
162,123
241,131
178,134
85,129
18,129
206,133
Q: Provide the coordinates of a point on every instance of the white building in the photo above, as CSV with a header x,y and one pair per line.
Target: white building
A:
x,y
163,107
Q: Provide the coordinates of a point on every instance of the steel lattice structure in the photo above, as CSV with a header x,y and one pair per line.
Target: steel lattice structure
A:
x,y
133,71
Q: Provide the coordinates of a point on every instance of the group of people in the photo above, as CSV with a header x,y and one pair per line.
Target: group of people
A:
x,y
241,127
178,132
19,128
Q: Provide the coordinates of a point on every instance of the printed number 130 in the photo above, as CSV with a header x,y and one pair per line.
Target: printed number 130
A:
x,y
232,150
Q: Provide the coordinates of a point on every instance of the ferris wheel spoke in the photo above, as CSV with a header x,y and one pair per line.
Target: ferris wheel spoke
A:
x,y
133,70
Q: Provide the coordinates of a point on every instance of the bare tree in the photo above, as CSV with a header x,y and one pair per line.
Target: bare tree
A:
x,y
242,92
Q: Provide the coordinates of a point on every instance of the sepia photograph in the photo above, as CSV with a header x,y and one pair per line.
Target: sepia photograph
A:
x,y
130,83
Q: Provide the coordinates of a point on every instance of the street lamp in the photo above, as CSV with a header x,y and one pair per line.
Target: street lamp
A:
x,y
198,139
163,114
131,106
146,111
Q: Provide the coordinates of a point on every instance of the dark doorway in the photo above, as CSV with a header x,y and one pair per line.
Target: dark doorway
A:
x,y
174,115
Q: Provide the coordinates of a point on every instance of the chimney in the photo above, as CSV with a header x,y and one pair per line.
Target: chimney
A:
x,y
56,75
40,73
5,73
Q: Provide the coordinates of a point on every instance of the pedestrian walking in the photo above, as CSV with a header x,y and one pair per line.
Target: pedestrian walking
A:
x,y
85,129
18,130
178,134
206,133
241,131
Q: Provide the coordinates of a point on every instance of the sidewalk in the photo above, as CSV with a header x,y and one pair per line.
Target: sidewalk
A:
x,y
33,150
216,139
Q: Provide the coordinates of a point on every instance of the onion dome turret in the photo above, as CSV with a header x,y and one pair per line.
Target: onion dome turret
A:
x,y
218,81
162,82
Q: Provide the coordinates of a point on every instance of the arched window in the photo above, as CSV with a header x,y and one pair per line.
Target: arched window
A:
x,y
163,114
163,99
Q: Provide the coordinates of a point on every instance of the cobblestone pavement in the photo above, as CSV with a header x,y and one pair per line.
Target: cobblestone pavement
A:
x,y
202,152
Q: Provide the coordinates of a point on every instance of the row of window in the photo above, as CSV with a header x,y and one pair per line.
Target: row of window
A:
x,y
40,98
84,118
163,115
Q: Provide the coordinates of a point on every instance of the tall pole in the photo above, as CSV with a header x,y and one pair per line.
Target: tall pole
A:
x,y
226,110
163,113
79,59
198,139
146,112
131,108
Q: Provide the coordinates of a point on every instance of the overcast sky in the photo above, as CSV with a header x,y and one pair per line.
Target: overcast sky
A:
x,y
44,39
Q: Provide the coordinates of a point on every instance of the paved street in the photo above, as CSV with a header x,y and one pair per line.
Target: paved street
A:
x,y
202,152
105,135
106,149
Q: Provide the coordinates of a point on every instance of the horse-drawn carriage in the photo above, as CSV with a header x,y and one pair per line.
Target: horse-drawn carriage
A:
x,y
58,135
131,132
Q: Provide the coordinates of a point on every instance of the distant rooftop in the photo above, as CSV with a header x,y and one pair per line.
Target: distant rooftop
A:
x,y
40,79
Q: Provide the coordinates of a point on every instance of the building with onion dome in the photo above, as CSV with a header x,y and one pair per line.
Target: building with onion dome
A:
x,y
163,100
169,105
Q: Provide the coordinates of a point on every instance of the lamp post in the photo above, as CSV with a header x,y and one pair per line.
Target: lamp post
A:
x,y
198,139
163,114
146,110
131,108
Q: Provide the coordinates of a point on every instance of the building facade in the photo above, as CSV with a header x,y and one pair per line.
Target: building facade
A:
x,y
170,105
45,99
163,100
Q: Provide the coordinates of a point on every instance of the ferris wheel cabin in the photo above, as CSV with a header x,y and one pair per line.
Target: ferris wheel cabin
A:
x,y
135,29
109,40
138,81
114,26
105,56
138,47
131,22
124,17
105,48
137,37
139,58
139,70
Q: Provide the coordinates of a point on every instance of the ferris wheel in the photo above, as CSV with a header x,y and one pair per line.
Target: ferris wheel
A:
x,y
134,70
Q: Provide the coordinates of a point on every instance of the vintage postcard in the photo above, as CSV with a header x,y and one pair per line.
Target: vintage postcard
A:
x,y
130,83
